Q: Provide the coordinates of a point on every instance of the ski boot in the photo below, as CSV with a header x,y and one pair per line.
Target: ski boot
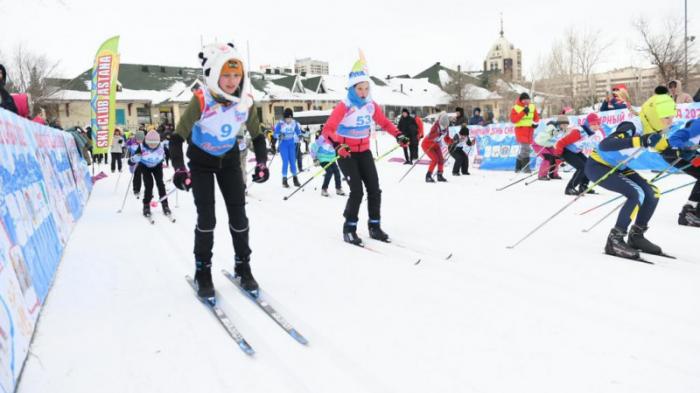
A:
x,y
429,178
571,191
441,178
376,233
296,181
242,272
455,173
543,178
339,191
689,217
202,277
637,240
166,209
137,194
616,245
350,233
284,182
324,192
146,210
554,176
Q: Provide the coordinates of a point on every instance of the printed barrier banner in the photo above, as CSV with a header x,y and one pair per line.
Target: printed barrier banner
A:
x,y
44,186
496,147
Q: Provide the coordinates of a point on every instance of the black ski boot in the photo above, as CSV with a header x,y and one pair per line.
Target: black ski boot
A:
x,y
376,233
440,177
518,165
583,187
146,210
166,208
136,194
525,164
202,277
284,182
429,178
350,233
571,191
242,272
296,182
455,174
637,240
689,217
616,245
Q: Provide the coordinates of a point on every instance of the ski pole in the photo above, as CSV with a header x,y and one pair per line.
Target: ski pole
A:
x,y
549,172
311,178
655,179
412,166
592,186
155,203
620,205
127,191
387,153
517,181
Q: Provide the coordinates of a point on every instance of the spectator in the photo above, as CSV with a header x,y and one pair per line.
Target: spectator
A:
x,y
460,119
524,117
476,119
6,101
116,149
419,123
678,94
409,128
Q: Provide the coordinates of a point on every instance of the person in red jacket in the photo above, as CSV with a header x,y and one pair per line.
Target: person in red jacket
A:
x,y
569,149
432,146
349,127
524,117
421,127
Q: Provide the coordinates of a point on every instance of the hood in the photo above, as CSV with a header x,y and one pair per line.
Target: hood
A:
x,y
679,86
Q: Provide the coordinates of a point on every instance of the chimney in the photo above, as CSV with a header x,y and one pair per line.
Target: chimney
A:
x,y
402,87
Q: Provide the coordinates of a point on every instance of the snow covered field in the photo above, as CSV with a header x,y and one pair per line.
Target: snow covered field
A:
x,y
552,315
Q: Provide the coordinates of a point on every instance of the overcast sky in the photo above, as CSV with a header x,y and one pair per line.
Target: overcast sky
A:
x,y
397,36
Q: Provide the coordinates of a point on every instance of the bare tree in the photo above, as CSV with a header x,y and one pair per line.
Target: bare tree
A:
x,y
664,49
29,74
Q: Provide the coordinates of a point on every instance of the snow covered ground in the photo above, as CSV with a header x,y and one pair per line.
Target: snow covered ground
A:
x,y
552,315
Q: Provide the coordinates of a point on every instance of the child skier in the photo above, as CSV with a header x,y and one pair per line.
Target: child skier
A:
x,y
568,148
132,145
288,131
432,146
323,151
642,197
211,123
544,146
457,151
684,145
349,126
149,158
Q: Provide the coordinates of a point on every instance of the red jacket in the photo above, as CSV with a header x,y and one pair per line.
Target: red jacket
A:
x,y
421,127
523,134
434,136
570,138
356,145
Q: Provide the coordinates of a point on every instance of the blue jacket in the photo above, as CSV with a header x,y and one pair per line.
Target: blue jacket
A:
x,y
322,150
287,132
686,137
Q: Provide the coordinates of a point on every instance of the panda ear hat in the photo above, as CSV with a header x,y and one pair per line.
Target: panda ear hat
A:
x,y
213,57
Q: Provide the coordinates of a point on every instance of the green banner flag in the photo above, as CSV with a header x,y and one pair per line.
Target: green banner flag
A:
x,y
102,98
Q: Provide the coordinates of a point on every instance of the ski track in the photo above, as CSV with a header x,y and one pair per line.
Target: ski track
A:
x,y
551,315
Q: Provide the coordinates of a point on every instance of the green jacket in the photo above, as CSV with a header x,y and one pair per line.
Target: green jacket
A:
x,y
200,158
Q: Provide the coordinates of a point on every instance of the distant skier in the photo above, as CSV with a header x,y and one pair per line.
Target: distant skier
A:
x,y
459,142
349,125
288,131
211,124
149,158
131,147
569,149
656,116
432,146
544,146
322,150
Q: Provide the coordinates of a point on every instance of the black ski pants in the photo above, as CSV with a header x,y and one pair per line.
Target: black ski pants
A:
x,y
359,169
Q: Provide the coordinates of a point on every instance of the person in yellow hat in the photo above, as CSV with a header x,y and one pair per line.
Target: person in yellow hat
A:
x,y
620,147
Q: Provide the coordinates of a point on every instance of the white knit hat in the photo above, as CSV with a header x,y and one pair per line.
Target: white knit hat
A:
x,y
359,72
152,139
213,58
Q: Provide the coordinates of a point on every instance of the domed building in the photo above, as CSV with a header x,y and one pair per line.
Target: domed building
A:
x,y
505,58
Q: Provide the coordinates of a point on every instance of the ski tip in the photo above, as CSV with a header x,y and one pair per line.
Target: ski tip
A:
x,y
297,336
448,257
417,262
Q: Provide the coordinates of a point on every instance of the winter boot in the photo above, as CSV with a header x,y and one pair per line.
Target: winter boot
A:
x,y
583,187
166,208
616,245
350,233
339,191
137,194
554,176
518,165
242,272
689,217
637,240
146,210
375,231
429,178
543,178
202,277
296,181
324,192
284,182
525,164
455,173
440,177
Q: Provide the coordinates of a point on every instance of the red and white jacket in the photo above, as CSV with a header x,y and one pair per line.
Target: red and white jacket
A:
x,y
352,125
434,136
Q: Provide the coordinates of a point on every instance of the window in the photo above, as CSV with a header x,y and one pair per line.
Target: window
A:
x,y
298,108
143,115
260,114
120,117
279,112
